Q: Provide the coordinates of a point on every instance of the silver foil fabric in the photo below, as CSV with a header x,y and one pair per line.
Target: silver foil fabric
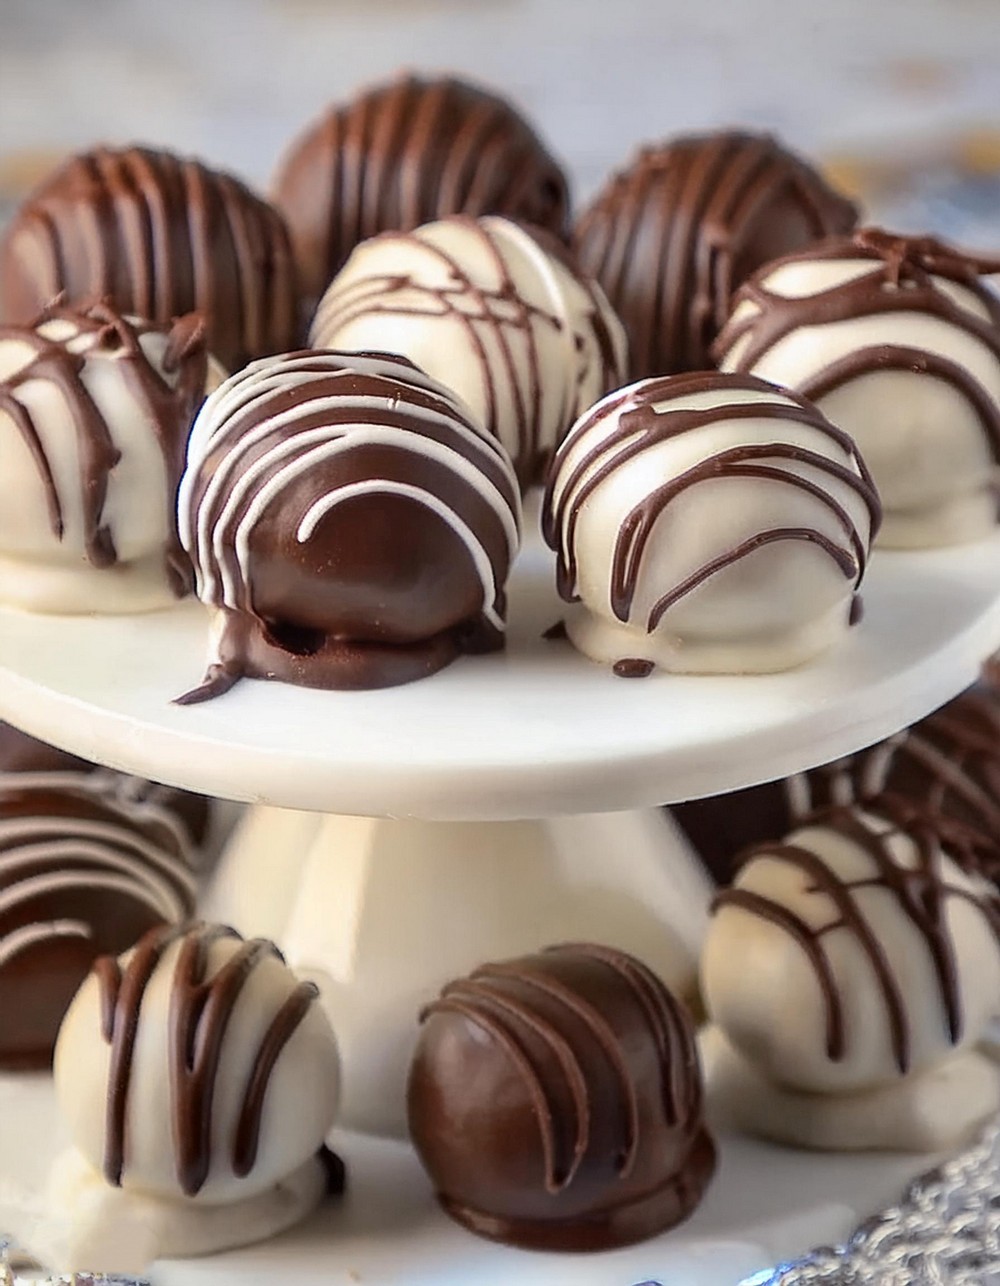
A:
x,y
944,1232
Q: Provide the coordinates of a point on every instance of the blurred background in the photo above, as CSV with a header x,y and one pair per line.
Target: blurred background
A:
x,y
899,97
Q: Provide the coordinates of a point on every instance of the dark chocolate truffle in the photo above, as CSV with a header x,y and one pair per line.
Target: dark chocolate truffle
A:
x,y
348,521
942,775
406,153
86,868
158,235
21,754
672,236
556,1102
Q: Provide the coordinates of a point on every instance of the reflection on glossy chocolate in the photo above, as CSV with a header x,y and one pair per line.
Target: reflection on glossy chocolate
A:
x,y
350,526
556,1102
158,235
672,236
403,154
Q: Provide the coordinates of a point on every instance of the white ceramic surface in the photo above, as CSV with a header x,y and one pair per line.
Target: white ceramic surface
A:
x,y
765,1204
536,731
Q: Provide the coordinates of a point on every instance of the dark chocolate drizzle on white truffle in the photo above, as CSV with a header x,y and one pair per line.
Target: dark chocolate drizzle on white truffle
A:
x,y
901,281
500,314
201,1008
922,893
642,424
166,407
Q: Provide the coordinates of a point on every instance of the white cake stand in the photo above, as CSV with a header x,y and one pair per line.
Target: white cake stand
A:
x,y
502,767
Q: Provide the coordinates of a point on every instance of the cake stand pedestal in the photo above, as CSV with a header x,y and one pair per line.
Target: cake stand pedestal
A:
x,y
384,899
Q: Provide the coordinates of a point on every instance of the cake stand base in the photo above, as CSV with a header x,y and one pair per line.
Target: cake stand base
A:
x,y
766,1204
382,913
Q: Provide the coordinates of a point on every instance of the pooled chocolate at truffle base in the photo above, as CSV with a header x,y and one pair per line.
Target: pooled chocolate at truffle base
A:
x,y
158,235
673,235
942,774
556,1102
348,523
403,154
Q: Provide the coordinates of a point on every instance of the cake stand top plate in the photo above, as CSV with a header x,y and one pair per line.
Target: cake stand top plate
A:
x,y
534,731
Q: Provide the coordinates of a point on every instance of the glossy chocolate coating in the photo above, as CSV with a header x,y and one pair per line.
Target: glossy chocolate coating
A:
x,y
556,1102
403,154
20,753
675,233
942,775
86,868
159,236
376,523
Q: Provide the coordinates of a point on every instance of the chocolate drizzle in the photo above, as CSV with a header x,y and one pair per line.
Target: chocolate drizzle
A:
x,y
501,1000
404,154
64,344
942,776
922,893
672,236
85,868
504,329
556,1101
902,281
158,236
201,1007
645,417
353,527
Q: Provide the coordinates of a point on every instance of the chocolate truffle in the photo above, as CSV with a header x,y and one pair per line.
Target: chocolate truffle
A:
x,y
897,340
556,1102
505,322
21,754
942,773
672,236
198,1078
350,525
95,412
851,956
86,867
707,523
158,235
405,153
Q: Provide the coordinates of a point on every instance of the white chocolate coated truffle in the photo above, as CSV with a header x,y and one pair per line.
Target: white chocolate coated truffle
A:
x,y
95,410
896,339
708,523
499,317
230,1085
852,955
